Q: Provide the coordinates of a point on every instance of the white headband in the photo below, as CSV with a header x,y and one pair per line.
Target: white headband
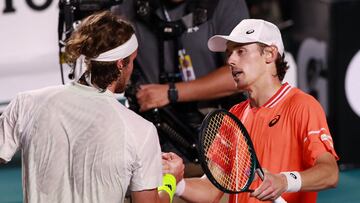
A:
x,y
119,52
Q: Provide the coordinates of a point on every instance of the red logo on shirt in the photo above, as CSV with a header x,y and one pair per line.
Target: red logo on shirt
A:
x,y
274,120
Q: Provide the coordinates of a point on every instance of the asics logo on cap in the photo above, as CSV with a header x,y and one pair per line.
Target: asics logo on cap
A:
x,y
250,31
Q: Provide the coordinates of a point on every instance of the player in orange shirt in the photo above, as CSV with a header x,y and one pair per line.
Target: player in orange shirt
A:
x,y
288,127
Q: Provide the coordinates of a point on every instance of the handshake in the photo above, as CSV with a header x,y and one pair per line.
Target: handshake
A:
x,y
173,164
173,170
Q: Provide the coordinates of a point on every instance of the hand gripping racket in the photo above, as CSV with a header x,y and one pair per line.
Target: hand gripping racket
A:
x,y
226,153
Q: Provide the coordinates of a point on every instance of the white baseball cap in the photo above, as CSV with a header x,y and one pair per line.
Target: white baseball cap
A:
x,y
248,31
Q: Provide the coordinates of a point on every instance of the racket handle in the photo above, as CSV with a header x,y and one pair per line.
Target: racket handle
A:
x,y
279,200
261,175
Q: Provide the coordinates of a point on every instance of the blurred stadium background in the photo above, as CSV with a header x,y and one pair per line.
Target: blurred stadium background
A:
x,y
321,37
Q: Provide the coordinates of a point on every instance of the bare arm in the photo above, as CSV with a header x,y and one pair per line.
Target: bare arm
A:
x,y
200,190
324,174
150,196
216,84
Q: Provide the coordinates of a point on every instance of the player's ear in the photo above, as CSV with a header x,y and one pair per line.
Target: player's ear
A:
x,y
120,64
270,53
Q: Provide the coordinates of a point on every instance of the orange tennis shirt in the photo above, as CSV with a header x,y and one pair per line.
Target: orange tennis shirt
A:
x,y
288,132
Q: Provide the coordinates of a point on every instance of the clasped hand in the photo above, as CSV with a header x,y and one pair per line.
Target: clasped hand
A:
x,y
173,164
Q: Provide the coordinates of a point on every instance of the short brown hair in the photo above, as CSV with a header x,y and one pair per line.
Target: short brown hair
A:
x,y
281,65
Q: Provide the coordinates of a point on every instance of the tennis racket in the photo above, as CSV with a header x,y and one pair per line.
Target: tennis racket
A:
x,y
226,153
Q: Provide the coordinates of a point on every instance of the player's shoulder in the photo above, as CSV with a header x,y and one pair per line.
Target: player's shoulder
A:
x,y
302,99
138,131
134,121
237,108
38,95
40,91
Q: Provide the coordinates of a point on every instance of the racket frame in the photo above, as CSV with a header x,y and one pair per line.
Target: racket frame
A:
x,y
202,157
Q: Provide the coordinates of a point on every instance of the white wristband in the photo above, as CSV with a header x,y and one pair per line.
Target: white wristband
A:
x,y
180,188
293,180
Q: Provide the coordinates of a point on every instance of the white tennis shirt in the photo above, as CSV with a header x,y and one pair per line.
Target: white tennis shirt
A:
x,y
79,145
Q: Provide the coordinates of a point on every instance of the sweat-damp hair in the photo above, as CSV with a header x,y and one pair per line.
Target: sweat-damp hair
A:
x,y
97,34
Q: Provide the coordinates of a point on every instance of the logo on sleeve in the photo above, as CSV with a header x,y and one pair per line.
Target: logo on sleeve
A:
x,y
274,120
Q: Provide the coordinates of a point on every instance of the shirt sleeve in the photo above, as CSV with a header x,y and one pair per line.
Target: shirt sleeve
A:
x,y
9,130
315,132
148,171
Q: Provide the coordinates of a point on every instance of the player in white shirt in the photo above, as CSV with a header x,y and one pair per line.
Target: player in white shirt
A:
x,y
78,143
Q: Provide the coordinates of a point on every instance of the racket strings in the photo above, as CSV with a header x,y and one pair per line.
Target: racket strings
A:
x,y
227,152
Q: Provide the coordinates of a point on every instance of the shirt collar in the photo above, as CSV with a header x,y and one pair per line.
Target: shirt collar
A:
x,y
278,96
90,90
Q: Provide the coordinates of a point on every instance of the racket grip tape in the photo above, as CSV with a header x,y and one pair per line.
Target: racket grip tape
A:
x,y
169,185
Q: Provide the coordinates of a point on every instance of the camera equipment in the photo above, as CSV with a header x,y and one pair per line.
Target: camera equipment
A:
x,y
178,123
197,13
82,8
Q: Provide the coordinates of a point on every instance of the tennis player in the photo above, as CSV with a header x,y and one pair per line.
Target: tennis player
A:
x,y
78,143
287,126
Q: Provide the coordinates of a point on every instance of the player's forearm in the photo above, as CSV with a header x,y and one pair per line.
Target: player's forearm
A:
x,y
163,197
151,196
200,190
324,174
216,84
